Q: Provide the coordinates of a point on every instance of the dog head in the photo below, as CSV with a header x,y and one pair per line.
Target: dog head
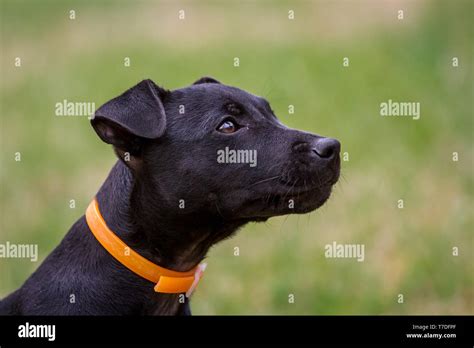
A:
x,y
217,151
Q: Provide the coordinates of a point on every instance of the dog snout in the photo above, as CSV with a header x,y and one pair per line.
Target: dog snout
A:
x,y
320,148
326,148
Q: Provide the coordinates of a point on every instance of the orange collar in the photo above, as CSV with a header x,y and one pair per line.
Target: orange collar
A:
x,y
167,281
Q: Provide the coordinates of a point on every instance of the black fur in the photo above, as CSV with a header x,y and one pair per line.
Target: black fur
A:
x,y
167,156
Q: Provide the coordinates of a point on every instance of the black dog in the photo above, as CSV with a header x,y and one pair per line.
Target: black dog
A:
x,y
169,198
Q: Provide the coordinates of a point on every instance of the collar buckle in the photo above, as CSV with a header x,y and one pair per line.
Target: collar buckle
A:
x,y
197,276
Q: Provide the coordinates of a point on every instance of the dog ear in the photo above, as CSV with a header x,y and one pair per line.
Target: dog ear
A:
x,y
128,120
205,79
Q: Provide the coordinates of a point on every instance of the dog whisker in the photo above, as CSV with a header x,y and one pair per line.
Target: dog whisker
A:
x,y
265,180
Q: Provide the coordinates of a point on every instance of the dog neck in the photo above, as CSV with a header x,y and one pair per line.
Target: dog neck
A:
x,y
134,212
164,235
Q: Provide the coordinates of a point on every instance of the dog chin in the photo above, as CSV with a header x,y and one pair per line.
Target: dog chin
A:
x,y
275,204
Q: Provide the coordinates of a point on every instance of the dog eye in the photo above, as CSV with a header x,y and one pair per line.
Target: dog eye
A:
x,y
227,126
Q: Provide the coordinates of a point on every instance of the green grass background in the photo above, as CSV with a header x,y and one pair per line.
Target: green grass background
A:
x,y
298,62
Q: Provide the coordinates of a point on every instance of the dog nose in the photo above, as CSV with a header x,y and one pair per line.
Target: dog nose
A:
x,y
326,147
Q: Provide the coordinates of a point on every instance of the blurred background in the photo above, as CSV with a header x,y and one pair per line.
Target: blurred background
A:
x,y
296,62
